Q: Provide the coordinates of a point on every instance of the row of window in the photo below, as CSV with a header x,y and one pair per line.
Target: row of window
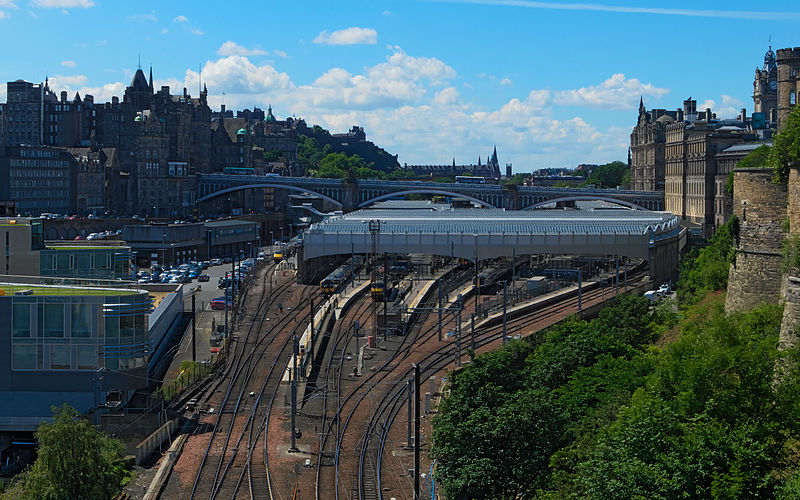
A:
x,y
58,166
60,357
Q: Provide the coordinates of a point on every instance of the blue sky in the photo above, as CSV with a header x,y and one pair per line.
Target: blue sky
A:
x,y
550,83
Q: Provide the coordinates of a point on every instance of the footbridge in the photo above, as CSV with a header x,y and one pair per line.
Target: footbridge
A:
x,y
352,195
489,233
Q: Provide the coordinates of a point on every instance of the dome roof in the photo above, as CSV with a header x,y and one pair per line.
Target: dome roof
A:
x,y
241,132
270,117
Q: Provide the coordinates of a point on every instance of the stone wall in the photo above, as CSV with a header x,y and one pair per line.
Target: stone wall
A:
x,y
760,206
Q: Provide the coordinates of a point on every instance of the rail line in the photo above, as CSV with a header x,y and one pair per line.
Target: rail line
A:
x,y
244,372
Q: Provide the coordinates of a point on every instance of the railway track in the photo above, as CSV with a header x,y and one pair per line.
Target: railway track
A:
x,y
231,461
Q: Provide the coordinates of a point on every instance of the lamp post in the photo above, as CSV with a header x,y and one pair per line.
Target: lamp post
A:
x,y
271,243
281,234
164,248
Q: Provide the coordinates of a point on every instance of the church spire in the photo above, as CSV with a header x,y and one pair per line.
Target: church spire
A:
x,y
494,156
151,78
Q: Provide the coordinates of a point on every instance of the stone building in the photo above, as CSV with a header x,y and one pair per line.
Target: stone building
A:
x,y
691,173
97,172
788,61
647,147
765,87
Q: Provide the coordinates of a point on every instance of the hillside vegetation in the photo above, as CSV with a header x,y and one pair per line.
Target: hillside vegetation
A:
x,y
598,410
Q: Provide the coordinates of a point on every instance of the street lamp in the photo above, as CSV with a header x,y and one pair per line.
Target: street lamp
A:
x,y
281,234
164,247
271,242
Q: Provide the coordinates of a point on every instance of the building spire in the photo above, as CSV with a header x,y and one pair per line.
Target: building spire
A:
x,y
151,78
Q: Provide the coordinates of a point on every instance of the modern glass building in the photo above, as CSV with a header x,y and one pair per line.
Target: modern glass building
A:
x,y
66,344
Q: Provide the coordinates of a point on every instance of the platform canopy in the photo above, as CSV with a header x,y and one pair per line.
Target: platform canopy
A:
x,y
488,233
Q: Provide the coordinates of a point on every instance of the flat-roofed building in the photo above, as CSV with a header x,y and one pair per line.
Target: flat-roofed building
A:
x,y
56,339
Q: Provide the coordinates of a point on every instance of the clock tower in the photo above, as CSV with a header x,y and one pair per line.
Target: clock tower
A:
x,y
765,87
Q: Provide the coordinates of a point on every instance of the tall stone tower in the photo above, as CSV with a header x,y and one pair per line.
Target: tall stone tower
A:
x,y
788,82
765,87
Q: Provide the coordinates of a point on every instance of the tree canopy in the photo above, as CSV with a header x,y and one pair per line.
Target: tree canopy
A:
x,y
74,461
786,146
610,175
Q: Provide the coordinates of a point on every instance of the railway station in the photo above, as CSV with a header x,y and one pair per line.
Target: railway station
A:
x,y
478,234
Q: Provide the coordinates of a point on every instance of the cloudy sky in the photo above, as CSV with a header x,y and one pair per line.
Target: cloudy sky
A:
x,y
550,83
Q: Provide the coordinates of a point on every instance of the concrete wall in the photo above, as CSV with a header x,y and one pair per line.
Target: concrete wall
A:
x,y
760,205
665,255
21,260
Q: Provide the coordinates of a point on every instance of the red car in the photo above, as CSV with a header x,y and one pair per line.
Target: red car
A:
x,y
220,303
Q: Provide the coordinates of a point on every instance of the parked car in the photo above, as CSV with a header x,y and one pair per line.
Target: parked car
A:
x,y
220,303
203,277
663,289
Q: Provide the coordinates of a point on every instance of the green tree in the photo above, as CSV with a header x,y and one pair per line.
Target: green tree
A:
x,y
786,146
74,461
706,270
271,156
610,175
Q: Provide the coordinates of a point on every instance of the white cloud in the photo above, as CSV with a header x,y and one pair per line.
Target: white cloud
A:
x,y
63,4
730,107
6,4
68,64
164,31
506,82
180,19
617,92
237,75
281,54
348,36
386,13
400,80
59,81
731,101
197,31
230,48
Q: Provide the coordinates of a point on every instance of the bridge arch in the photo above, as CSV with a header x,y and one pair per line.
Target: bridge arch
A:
x,y
454,194
243,187
585,198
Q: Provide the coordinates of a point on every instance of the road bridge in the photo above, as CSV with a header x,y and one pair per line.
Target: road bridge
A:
x,y
354,194
489,233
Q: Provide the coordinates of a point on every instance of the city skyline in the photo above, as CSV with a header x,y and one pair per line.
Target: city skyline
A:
x,y
550,84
